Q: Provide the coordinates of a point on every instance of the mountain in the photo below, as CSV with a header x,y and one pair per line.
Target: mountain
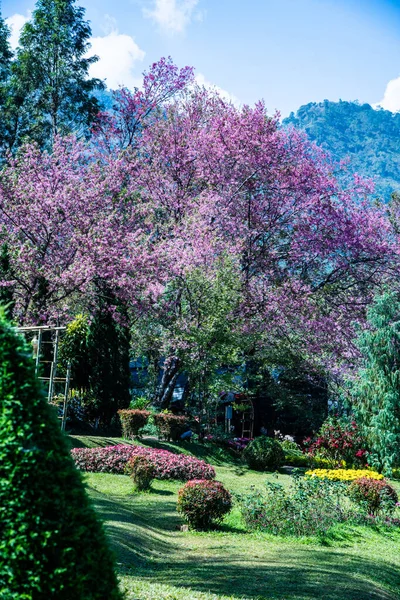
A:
x,y
370,138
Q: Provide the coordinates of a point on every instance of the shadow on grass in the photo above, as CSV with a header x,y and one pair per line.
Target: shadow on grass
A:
x,y
143,531
301,574
94,441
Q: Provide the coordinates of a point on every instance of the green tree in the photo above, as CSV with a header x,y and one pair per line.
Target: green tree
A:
x,y
50,79
108,346
376,388
6,292
51,544
6,104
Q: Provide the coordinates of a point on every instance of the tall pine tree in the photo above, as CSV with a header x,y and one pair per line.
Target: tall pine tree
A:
x,y
108,358
376,389
6,104
50,73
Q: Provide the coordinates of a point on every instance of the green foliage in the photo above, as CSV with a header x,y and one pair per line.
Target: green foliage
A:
x,y
50,80
375,496
51,545
296,458
196,329
299,395
376,389
108,356
203,502
264,453
143,471
140,403
74,350
132,422
6,293
170,426
309,507
5,72
367,136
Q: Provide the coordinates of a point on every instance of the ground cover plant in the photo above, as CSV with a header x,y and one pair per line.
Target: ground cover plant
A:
x,y
113,459
157,560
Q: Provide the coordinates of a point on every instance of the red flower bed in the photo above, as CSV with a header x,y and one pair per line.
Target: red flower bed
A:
x,y
113,459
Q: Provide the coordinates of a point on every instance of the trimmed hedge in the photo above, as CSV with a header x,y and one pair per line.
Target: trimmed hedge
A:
x,y
170,426
132,422
51,544
264,453
113,459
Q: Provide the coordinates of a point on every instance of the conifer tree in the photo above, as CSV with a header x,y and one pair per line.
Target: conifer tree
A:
x,y
108,357
376,389
51,72
51,544
6,104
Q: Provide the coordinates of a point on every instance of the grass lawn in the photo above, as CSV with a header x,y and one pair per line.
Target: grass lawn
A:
x,y
156,561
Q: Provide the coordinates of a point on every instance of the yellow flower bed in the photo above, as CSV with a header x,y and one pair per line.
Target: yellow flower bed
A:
x,y
343,474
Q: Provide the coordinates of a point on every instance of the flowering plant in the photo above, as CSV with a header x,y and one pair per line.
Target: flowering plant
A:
x,y
375,496
338,440
113,459
343,474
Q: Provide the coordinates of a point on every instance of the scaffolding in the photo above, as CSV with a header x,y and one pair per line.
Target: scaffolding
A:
x,y
46,370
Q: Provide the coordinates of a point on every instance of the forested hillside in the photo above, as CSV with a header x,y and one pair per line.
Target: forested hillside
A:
x,y
369,137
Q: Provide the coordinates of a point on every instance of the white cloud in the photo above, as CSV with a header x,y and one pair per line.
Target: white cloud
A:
x,y
202,81
118,54
173,16
16,23
391,98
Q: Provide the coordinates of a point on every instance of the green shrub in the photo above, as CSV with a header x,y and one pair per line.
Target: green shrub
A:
x,y
289,445
264,453
203,502
309,507
170,426
143,471
375,496
140,403
51,544
296,458
132,422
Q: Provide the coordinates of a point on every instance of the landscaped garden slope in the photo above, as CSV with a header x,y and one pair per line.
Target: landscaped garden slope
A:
x,y
157,560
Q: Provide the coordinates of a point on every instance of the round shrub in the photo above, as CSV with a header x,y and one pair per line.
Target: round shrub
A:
x,y
375,495
203,502
132,421
264,453
51,544
143,471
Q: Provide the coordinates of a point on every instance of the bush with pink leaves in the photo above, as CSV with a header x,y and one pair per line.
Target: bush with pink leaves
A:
x,y
113,459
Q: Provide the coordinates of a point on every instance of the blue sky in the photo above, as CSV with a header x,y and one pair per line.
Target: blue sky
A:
x,y
289,52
